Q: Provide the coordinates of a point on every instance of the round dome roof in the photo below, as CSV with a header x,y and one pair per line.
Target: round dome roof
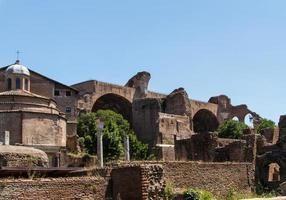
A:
x,y
17,69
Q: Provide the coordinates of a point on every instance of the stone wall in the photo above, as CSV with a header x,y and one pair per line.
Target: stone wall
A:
x,y
19,156
138,182
218,178
49,131
145,115
54,188
15,130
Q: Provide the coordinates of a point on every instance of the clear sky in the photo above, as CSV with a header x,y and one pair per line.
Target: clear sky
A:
x,y
209,47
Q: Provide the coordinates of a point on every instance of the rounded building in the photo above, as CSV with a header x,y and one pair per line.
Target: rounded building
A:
x,y
31,119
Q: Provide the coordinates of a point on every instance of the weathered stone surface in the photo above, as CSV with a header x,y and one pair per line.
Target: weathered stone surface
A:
x,y
218,178
19,156
54,188
147,182
178,103
282,121
140,82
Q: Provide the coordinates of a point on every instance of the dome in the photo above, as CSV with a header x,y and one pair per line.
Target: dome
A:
x,y
18,69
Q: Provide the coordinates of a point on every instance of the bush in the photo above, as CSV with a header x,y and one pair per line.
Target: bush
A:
x,y
231,129
265,123
197,194
114,132
169,191
232,195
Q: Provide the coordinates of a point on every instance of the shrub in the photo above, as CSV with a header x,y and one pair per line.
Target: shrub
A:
x,y
169,191
265,123
231,129
197,194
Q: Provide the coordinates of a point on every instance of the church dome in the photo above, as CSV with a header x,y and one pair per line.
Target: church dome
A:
x,y
17,68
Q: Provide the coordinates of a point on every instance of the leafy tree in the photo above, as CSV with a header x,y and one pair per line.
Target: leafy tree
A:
x,y
114,132
265,123
231,129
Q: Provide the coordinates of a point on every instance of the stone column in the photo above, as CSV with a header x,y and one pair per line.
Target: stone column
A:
x,y
7,138
126,148
100,148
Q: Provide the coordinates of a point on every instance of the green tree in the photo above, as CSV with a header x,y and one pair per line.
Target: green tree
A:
x,y
265,123
114,132
231,129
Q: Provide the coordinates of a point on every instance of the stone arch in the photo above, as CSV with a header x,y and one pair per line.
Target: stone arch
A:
x,y
205,120
263,167
115,103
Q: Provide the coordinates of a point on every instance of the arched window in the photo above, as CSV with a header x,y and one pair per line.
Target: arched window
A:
x,y
9,84
26,84
248,120
235,119
18,83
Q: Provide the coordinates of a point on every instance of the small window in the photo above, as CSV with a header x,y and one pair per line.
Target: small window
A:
x,y
68,93
18,83
68,109
9,84
26,84
56,93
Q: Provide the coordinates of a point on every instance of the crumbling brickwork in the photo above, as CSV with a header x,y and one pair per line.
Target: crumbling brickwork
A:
x,y
138,182
54,188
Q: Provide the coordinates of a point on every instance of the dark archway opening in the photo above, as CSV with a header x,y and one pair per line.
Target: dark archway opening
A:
x,y
115,103
204,120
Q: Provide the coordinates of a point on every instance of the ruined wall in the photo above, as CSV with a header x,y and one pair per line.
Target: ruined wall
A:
x,y
199,105
92,90
145,116
53,188
171,127
218,178
146,183
271,135
208,147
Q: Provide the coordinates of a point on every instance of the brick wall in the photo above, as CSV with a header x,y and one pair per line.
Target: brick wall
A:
x,y
138,182
54,188
218,178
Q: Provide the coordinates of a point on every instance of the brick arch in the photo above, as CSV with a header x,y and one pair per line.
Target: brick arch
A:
x,y
114,102
262,168
204,120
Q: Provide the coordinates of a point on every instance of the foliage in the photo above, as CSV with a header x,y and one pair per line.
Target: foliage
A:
x,y
231,195
231,129
138,150
265,123
197,194
114,132
169,192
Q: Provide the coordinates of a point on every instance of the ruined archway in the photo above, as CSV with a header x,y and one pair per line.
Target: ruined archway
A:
x,y
270,169
204,120
115,103
248,120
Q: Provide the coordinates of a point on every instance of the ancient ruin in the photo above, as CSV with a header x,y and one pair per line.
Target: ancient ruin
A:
x,y
38,121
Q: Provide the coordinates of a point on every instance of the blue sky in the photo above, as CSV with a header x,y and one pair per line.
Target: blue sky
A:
x,y
208,47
